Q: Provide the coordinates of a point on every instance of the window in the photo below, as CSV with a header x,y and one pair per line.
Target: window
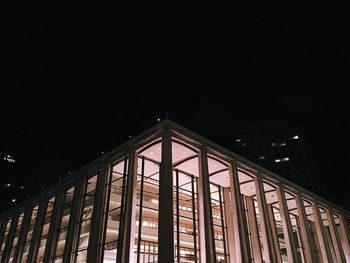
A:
x,y
6,233
15,240
116,189
45,229
9,158
284,159
84,223
62,231
29,234
278,144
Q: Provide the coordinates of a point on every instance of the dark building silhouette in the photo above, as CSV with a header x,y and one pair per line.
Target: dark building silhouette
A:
x,y
20,177
283,149
10,192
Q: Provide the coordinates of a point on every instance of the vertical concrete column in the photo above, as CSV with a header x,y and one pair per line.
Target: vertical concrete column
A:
x,y
54,225
229,226
254,231
127,227
22,235
286,225
37,230
72,231
240,231
95,251
207,228
306,235
268,244
201,227
321,235
347,223
335,237
10,237
344,237
166,211
274,233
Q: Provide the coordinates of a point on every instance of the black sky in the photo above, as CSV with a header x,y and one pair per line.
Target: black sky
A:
x,y
79,78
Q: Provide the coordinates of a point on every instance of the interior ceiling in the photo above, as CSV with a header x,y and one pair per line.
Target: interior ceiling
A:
x,y
221,178
190,166
186,160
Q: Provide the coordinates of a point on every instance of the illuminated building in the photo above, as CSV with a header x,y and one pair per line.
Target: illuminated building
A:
x,y
170,195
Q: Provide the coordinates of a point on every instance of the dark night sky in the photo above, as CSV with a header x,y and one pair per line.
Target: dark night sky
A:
x,y
79,78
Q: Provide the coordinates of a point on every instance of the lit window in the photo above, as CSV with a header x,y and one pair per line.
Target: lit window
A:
x,y
238,140
216,215
155,201
9,158
262,157
275,144
284,159
7,185
295,137
13,200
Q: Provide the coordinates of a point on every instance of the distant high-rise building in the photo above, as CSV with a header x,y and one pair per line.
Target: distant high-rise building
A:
x,y
283,149
14,186
8,166
170,195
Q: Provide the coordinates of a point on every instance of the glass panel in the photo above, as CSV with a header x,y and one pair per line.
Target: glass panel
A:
x,y
45,229
146,232
219,182
311,224
252,227
115,189
297,237
29,234
220,230
277,226
259,218
15,240
5,237
65,212
329,240
84,222
295,223
185,217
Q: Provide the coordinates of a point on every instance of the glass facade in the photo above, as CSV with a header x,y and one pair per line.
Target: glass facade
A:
x,y
217,208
